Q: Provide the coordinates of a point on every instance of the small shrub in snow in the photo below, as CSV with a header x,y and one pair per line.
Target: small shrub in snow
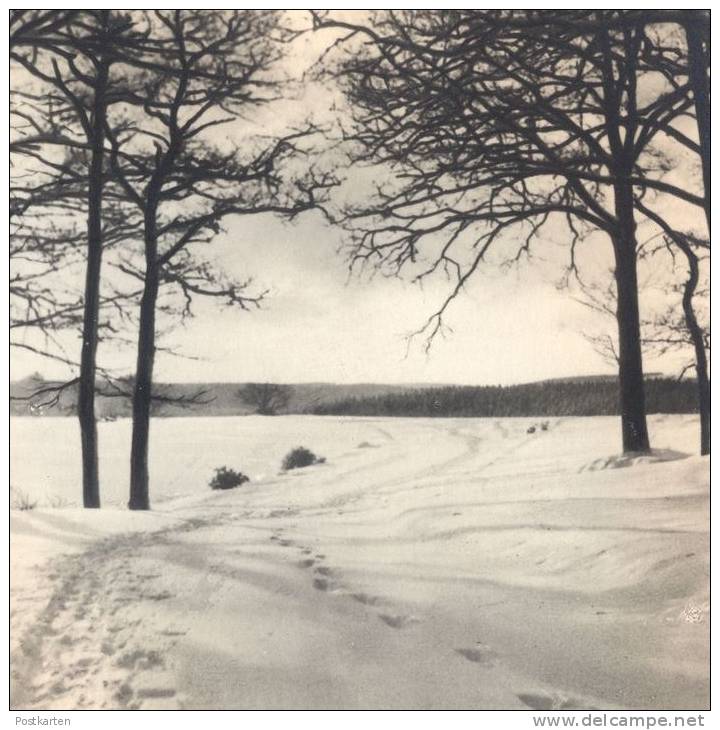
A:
x,y
21,500
300,457
227,478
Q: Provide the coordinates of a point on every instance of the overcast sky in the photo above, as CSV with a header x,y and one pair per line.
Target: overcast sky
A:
x,y
511,325
317,324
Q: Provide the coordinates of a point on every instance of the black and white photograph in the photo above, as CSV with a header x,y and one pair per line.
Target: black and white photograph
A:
x,y
359,360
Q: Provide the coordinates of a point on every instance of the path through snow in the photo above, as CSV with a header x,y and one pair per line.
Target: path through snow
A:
x,y
437,564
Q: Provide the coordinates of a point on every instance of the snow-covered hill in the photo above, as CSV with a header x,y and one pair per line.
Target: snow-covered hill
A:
x,y
428,564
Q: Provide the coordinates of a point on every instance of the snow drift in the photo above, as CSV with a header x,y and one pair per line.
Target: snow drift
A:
x,y
430,563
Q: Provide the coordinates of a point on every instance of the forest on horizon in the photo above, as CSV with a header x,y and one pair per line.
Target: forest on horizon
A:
x,y
591,396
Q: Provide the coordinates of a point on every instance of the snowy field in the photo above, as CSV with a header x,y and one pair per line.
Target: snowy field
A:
x,y
428,564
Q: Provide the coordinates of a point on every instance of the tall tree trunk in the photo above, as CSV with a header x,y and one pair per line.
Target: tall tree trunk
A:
x,y
698,65
86,389
632,384
701,368
698,57
142,395
620,133
696,335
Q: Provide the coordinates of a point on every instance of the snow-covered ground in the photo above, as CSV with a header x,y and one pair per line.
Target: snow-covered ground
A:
x,y
428,564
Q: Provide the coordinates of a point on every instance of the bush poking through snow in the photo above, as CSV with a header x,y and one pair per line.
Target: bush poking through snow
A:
x,y
300,457
227,478
21,500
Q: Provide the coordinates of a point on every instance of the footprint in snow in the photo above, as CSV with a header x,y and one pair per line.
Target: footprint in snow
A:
x,y
547,702
140,659
397,621
366,599
162,596
480,654
321,584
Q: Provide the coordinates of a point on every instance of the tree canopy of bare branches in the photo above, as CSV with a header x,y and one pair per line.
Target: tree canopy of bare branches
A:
x,y
493,124
70,54
217,66
266,398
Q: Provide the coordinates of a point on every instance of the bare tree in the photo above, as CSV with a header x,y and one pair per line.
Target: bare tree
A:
x,y
216,67
671,328
266,398
696,24
684,67
71,54
494,123
44,239
674,330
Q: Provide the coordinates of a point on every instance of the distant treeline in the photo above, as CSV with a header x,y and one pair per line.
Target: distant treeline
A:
x,y
550,398
217,399
579,396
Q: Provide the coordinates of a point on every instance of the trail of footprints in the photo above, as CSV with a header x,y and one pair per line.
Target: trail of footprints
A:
x,y
89,647
325,579
88,644
93,641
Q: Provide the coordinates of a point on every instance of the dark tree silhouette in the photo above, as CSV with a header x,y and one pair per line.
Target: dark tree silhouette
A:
x,y
71,54
675,330
496,122
687,68
216,66
696,24
671,328
266,398
698,335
